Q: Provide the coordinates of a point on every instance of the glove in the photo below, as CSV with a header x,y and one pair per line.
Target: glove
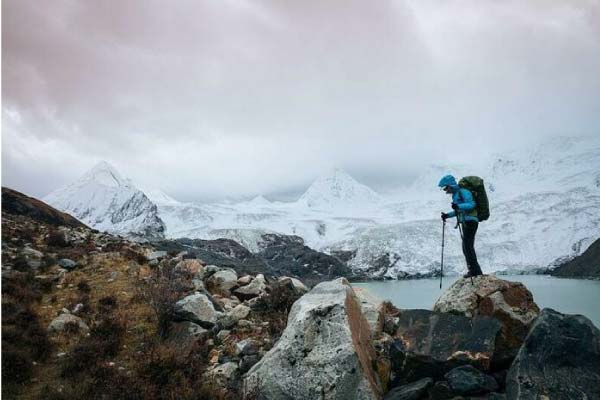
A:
x,y
444,216
455,207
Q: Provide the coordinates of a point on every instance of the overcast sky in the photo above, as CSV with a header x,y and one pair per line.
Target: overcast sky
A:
x,y
213,99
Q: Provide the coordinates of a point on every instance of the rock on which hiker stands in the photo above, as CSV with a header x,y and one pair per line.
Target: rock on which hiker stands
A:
x,y
560,359
372,309
197,308
510,302
324,352
429,344
221,282
60,323
412,391
468,380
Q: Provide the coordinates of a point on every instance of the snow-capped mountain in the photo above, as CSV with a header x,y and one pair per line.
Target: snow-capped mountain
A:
x,y
338,192
104,200
545,205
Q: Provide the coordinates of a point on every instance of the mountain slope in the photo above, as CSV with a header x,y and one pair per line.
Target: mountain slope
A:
x,y
104,200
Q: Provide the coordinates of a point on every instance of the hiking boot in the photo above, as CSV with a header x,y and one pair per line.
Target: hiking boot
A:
x,y
468,275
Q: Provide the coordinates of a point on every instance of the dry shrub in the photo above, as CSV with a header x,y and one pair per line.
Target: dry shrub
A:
x,y
164,288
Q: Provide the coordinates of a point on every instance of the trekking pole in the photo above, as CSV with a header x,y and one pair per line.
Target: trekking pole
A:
x,y
443,236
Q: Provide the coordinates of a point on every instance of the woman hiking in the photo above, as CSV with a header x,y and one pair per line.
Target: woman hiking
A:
x,y
463,207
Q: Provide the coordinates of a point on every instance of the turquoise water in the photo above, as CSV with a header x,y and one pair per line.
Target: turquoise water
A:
x,y
570,296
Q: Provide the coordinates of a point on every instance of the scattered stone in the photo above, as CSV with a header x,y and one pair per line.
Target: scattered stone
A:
x,y
429,344
560,359
60,323
468,380
78,307
297,284
221,282
244,280
245,347
253,289
29,252
198,285
113,276
223,376
232,317
197,308
412,391
509,302
191,266
156,255
67,264
324,352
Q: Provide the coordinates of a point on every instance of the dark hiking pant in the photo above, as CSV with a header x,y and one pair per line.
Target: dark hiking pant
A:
x,y
468,247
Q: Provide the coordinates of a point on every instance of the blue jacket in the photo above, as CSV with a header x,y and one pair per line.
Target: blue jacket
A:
x,y
466,204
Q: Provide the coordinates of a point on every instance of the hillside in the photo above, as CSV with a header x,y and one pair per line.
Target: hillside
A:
x,y
587,265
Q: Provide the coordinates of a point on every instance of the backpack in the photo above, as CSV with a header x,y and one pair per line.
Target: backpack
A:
x,y
474,184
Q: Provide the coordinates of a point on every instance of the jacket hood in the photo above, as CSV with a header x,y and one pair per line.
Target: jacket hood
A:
x,y
448,180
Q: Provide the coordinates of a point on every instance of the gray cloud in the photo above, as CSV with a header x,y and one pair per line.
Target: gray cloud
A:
x,y
234,98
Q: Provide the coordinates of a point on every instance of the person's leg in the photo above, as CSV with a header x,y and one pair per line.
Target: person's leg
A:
x,y
470,229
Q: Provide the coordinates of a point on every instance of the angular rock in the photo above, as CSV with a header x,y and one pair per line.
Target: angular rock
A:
x,y
155,255
560,359
244,280
412,391
429,344
221,282
67,264
510,302
248,362
245,347
197,308
60,323
222,376
183,336
372,309
296,283
324,352
230,318
191,266
253,289
468,380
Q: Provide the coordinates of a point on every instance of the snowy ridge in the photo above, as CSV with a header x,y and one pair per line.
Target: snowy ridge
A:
x,y
545,206
104,200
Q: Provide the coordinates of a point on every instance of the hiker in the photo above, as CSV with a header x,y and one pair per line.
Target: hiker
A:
x,y
464,209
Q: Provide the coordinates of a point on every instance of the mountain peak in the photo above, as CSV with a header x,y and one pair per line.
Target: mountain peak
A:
x,y
105,174
338,189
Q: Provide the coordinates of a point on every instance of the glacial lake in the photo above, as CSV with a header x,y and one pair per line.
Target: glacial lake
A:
x,y
569,296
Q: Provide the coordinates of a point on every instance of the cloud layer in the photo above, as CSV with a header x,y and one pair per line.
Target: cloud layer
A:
x,y
208,99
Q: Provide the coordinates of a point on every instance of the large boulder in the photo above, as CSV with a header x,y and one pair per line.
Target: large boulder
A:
x,y
510,302
68,322
324,352
468,380
372,308
560,359
429,344
197,308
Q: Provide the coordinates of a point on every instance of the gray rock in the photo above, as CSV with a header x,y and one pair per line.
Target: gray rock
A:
x,y
248,362
230,318
372,309
59,323
67,264
468,380
29,252
560,359
221,282
223,335
324,352
298,285
245,347
429,344
155,255
412,391
253,289
197,308
222,376
511,303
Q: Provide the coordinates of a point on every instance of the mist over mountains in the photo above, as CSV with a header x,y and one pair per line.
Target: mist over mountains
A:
x,y
545,206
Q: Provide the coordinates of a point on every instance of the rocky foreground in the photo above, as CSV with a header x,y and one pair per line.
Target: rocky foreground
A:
x,y
90,315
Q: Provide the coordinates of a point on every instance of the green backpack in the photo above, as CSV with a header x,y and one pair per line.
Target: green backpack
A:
x,y
474,184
